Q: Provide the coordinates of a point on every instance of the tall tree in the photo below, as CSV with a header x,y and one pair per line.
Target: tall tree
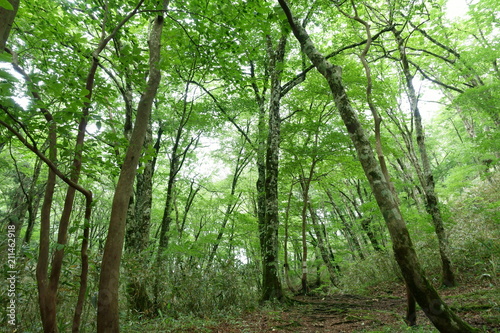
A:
x,y
271,283
427,297
427,179
107,313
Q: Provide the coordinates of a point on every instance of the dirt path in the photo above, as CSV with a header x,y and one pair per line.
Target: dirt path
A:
x,y
339,313
383,312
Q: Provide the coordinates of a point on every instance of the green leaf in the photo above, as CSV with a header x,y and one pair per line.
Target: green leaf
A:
x,y
5,4
59,247
7,76
5,57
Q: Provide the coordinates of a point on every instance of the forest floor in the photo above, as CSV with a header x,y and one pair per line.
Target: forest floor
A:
x,y
382,311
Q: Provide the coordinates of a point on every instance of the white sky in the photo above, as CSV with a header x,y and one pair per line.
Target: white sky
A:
x,y
455,8
428,99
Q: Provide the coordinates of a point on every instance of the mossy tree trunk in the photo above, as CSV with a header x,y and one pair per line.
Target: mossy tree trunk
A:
x,y
271,284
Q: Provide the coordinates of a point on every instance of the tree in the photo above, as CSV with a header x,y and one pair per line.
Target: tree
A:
x,y
107,314
8,11
446,320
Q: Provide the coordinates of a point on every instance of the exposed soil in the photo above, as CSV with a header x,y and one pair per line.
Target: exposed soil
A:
x,y
382,312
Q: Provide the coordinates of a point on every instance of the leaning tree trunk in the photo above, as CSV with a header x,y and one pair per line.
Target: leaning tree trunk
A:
x,y
107,311
428,185
436,310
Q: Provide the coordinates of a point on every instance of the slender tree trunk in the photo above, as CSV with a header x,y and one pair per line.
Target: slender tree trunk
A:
x,y
107,312
436,310
85,265
286,266
428,185
352,239
305,183
323,248
169,201
241,163
45,299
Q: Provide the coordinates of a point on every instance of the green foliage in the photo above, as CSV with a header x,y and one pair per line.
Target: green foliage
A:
x,y
376,269
6,4
222,46
474,236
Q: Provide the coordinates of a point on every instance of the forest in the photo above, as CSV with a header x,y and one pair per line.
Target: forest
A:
x,y
250,166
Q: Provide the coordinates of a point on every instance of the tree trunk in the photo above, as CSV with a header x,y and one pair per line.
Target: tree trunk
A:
x,y
436,310
137,232
431,198
45,301
352,239
169,201
82,292
270,280
305,184
286,266
7,17
326,255
107,311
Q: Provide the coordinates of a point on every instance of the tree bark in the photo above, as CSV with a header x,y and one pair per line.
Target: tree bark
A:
x,y
45,301
271,283
305,184
7,17
107,311
436,310
137,231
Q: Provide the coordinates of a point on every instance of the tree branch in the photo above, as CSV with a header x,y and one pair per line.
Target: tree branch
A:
x,y
46,160
299,78
224,112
